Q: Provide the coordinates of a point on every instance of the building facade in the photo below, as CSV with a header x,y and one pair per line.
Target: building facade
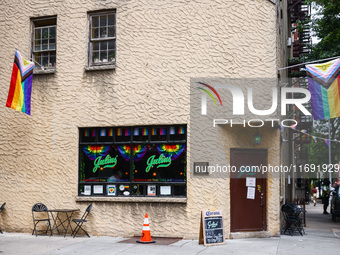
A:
x,y
110,117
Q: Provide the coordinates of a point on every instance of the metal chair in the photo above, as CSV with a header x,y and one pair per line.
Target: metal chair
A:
x,y
79,222
292,217
40,209
1,209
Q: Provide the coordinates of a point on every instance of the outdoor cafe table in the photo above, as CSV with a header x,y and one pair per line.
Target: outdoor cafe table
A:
x,y
64,222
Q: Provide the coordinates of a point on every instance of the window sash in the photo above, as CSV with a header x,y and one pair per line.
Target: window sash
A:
x,y
39,39
102,31
45,59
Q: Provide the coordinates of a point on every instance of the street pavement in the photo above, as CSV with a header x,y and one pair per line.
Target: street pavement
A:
x,y
322,237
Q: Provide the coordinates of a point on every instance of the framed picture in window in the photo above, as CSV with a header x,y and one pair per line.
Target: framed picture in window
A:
x,y
165,190
98,189
87,190
111,190
152,190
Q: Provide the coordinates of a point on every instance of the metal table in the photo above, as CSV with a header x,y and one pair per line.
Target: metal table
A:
x,y
66,222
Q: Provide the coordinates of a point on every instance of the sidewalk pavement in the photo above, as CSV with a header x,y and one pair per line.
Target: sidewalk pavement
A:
x,y
322,236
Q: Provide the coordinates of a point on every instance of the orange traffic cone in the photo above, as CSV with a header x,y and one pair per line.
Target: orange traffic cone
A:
x,y
146,235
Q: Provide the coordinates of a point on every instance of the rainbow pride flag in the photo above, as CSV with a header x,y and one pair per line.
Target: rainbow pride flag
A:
x,y
324,86
19,95
162,131
145,131
110,131
153,131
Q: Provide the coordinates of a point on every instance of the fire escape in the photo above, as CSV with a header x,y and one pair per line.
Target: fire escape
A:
x,y
299,14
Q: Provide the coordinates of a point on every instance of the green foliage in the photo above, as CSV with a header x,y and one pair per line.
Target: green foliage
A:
x,y
318,152
326,26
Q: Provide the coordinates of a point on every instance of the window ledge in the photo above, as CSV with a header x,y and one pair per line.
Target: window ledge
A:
x,y
99,68
132,199
47,71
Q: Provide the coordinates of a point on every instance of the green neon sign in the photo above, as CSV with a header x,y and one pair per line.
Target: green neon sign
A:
x,y
162,161
108,162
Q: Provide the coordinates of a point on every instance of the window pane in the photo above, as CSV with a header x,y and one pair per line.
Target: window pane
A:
x,y
52,32
95,45
103,163
95,57
37,45
111,31
103,46
138,190
88,135
95,33
111,45
158,134
37,58
179,190
44,44
159,162
124,189
44,61
111,19
95,22
52,61
177,133
37,33
103,56
111,56
105,135
52,44
44,33
103,20
123,134
103,33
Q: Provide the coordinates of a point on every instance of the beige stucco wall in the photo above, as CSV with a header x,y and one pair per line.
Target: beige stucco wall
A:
x,y
160,46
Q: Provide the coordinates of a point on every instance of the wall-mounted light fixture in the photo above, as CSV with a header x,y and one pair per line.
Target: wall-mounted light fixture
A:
x,y
257,138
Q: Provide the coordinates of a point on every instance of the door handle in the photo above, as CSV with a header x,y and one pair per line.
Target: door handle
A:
x,y
261,201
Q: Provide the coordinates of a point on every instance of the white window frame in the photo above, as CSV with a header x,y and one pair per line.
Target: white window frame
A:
x,y
92,40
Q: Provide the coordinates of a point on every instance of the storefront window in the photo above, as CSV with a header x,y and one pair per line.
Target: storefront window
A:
x,y
133,161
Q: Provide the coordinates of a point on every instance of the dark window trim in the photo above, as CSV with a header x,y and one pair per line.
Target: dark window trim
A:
x,y
131,142
33,21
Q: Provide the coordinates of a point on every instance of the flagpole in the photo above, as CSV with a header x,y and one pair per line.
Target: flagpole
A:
x,y
305,63
329,152
29,58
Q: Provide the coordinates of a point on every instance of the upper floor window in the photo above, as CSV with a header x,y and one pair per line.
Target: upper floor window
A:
x,y
102,47
44,42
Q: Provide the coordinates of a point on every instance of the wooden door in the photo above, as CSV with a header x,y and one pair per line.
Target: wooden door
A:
x,y
248,214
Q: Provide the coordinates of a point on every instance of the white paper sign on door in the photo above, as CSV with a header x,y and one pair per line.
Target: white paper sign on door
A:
x,y
250,193
250,181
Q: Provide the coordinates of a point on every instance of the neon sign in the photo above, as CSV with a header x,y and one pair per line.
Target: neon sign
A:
x,y
162,161
108,162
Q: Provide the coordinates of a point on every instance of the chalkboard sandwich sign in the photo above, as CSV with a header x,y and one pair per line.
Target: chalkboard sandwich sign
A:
x,y
211,228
